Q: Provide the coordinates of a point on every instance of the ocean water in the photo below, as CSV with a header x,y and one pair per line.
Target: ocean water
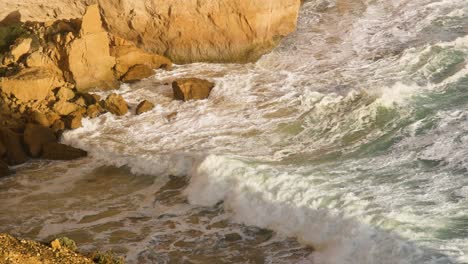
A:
x,y
346,144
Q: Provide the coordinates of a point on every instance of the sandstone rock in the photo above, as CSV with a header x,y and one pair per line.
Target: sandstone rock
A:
x,y
40,118
192,89
89,56
73,121
20,48
65,94
188,31
58,126
128,55
35,136
184,31
15,153
80,101
57,151
94,111
30,84
116,104
137,72
143,107
64,108
52,117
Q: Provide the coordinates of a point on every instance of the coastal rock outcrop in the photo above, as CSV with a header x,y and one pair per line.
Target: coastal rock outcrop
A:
x,y
192,89
89,56
184,31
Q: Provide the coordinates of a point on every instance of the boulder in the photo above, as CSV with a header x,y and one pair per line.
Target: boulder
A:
x,y
15,153
3,149
127,55
137,73
89,57
143,107
65,108
58,126
65,94
4,170
52,117
80,101
192,89
35,136
94,111
73,121
40,118
91,99
57,151
31,84
115,104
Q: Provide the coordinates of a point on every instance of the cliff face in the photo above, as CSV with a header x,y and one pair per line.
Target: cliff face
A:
x,y
183,30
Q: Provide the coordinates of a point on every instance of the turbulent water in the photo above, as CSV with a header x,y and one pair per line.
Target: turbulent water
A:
x,y
347,144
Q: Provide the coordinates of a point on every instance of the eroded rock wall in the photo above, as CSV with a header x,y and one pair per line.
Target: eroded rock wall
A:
x,y
183,30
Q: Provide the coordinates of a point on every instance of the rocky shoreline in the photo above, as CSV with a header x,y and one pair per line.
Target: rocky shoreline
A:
x,y
45,76
50,68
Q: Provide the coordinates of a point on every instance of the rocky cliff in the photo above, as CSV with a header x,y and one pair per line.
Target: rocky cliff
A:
x,y
183,30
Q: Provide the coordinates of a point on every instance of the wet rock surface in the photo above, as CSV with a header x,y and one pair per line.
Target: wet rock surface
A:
x,y
192,89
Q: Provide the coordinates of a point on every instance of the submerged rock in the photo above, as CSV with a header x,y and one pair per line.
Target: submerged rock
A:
x,y
192,89
57,151
35,136
115,104
143,107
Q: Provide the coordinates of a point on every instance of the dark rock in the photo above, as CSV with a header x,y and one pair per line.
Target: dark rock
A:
x,y
35,136
3,149
57,151
91,99
15,153
4,170
143,107
192,89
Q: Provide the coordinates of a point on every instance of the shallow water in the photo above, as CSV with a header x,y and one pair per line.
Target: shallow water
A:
x,y
350,138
